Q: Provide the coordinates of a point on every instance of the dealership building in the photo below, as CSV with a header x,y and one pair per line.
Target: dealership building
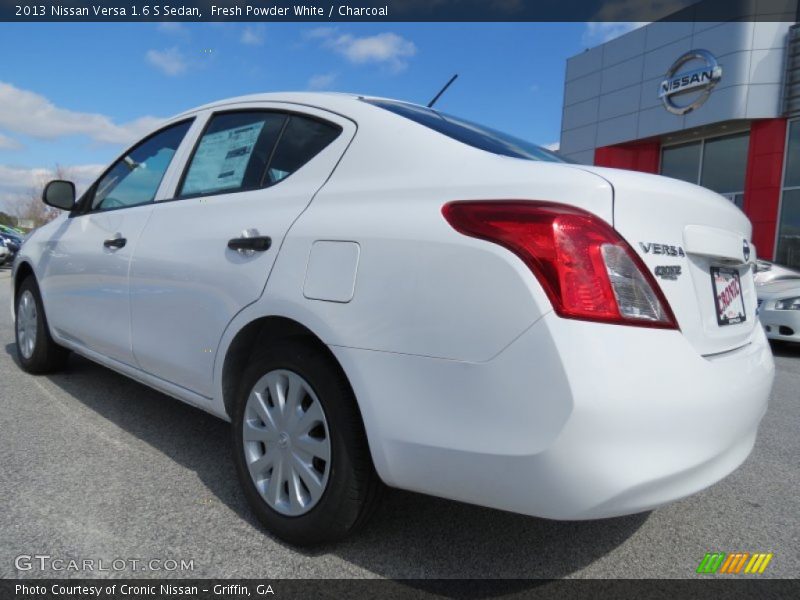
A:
x,y
716,104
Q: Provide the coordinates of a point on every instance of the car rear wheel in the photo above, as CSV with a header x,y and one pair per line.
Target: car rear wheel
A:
x,y
36,350
300,447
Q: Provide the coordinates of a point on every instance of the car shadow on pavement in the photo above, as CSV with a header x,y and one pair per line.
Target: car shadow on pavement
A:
x,y
412,538
785,349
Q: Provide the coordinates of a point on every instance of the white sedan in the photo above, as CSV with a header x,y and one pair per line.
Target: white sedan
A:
x,y
375,292
779,309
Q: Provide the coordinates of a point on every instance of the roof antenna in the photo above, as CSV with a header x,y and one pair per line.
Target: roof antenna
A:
x,y
442,91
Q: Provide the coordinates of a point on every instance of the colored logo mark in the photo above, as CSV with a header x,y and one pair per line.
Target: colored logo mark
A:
x,y
734,563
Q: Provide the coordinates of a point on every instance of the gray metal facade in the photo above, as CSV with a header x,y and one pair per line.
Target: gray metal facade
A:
x,y
611,91
791,87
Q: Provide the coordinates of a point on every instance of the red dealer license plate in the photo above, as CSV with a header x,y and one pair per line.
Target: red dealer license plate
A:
x,y
728,295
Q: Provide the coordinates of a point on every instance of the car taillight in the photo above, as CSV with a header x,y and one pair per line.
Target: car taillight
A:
x,y
587,270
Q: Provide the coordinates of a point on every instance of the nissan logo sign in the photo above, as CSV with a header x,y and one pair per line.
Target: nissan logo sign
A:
x,y
695,84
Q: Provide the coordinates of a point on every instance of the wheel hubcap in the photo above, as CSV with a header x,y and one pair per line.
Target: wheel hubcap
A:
x,y
286,442
27,324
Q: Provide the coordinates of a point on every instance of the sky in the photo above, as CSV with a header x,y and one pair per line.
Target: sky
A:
x,y
77,95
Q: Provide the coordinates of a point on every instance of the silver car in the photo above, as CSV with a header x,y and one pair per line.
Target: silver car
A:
x,y
767,272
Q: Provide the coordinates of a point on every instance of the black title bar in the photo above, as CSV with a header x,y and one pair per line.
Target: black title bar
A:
x,y
396,10
416,589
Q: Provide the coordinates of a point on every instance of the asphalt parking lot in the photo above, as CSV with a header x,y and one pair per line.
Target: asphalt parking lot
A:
x,y
94,465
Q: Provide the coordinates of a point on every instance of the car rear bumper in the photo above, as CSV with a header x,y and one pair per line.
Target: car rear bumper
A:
x,y
573,420
780,324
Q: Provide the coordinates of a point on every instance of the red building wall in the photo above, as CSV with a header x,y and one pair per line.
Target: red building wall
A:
x,y
762,188
636,156
762,184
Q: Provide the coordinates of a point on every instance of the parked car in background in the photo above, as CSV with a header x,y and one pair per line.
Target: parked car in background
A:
x,y
767,271
345,279
12,236
4,253
779,309
11,230
12,244
778,291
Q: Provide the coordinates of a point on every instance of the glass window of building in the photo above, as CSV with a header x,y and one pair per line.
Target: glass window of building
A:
x,y
716,163
725,163
681,162
788,247
792,176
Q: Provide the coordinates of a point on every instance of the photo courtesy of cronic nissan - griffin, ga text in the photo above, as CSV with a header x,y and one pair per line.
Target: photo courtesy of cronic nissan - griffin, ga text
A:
x,y
377,293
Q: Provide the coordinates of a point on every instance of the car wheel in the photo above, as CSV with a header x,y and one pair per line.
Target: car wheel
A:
x,y
37,351
300,448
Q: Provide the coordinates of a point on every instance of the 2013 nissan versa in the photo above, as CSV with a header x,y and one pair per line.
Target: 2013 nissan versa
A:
x,y
375,292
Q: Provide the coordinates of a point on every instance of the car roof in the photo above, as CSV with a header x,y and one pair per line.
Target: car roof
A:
x,y
340,102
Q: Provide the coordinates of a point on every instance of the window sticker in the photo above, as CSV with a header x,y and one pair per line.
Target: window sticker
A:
x,y
221,159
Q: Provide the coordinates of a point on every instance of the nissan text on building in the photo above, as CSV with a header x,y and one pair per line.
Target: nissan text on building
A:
x,y
712,103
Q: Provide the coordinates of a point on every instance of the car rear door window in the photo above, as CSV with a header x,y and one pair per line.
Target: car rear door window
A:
x,y
301,141
134,179
233,153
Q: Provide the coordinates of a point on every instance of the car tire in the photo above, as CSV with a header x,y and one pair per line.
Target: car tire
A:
x,y
36,350
302,515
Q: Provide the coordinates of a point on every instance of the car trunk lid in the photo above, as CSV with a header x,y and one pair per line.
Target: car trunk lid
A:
x,y
697,245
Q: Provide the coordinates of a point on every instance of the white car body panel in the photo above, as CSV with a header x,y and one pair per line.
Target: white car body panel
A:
x,y
592,443
470,386
87,285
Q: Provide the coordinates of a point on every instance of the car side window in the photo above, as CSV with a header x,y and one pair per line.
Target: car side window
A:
x,y
249,150
233,153
302,140
134,179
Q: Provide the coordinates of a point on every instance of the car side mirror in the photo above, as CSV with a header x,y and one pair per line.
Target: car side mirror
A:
x,y
59,194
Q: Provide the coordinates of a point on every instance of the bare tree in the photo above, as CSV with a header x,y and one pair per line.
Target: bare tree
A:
x,y
31,207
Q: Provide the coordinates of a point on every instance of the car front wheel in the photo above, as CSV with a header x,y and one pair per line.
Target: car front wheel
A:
x,y
300,448
37,351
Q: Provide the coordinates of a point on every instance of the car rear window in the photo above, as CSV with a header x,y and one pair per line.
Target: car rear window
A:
x,y
467,132
302,139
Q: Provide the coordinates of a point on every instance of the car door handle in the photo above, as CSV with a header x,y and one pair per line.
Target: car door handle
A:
x,y
258,243
116,242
